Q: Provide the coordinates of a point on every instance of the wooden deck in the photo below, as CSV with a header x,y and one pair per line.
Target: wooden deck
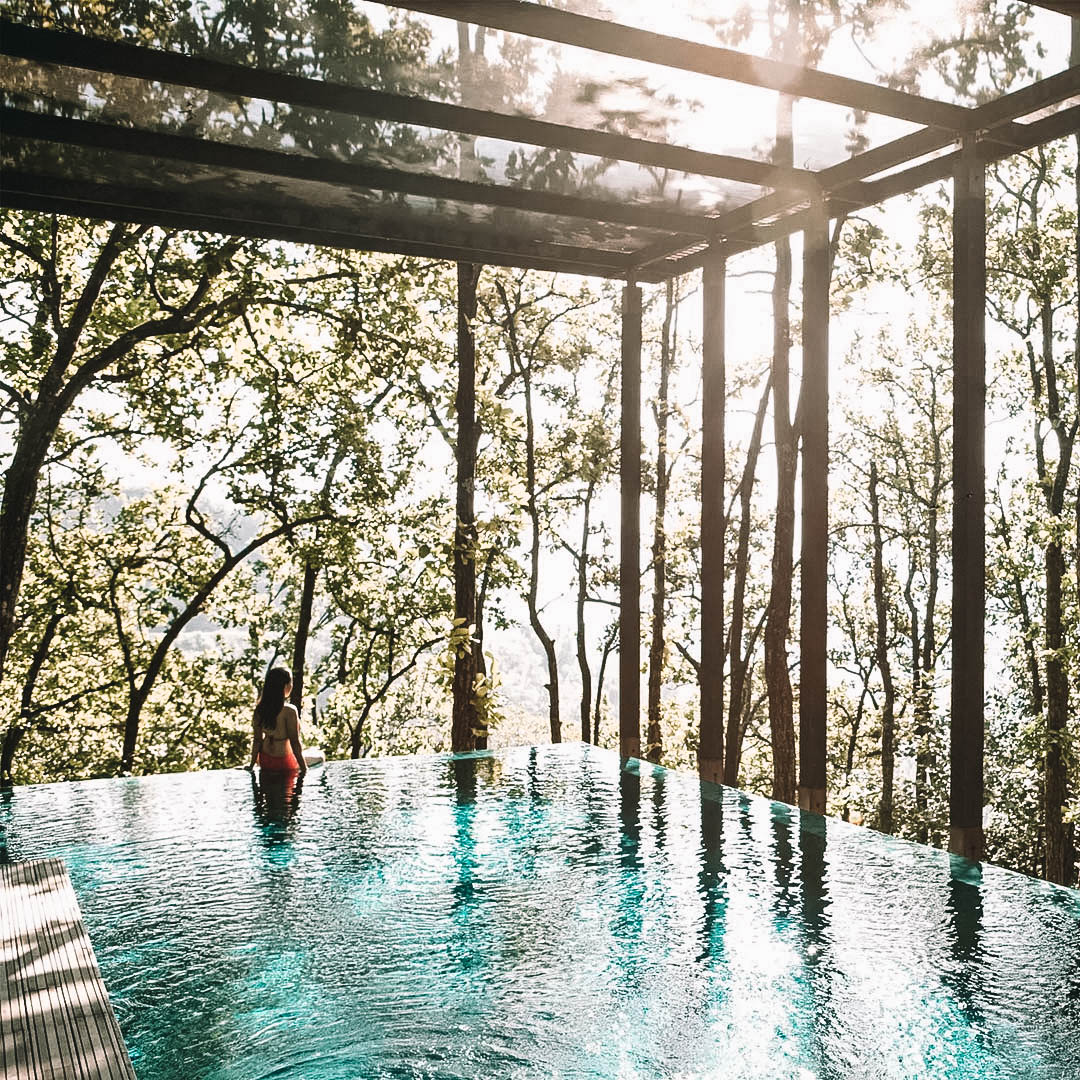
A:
x,y
56,1022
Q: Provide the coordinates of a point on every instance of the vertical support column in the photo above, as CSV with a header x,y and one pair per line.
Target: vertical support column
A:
x,y
814,556
713,403
630,535
969,504
464,722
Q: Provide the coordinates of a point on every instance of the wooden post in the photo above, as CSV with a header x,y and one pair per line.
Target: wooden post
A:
x,y
630,540
969,504
711,742
463,727
815,515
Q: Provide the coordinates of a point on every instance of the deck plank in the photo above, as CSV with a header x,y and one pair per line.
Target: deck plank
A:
x,y
56,1019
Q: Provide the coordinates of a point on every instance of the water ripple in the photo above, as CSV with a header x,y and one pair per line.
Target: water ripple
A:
x,y
544,914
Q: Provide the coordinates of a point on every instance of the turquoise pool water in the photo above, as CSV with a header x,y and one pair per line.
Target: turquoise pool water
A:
x,y
545,914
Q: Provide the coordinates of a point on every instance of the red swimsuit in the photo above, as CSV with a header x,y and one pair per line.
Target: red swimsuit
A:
x,y
285,762
273,763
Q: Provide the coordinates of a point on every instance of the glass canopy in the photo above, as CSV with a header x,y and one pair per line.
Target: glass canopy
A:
x,y
537,134
960,51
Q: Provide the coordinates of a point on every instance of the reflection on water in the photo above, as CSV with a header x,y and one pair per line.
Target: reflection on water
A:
x,y
545,913
277,800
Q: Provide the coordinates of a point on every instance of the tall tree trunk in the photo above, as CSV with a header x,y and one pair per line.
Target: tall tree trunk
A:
x,y
464,723
20,490
303,628
547,643
39,421
307,600
356,734
1074,58
581,598
1047,391
853,742
16,729
654,740
778,622
481,661
15,732
609,647
929,633
740,662
1059,844
888,728
12,737
1057,703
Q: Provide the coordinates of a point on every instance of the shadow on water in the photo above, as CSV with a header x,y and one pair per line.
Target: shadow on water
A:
x,y
470,948
463,777
628,921
783,860
965,907
817,956
659,809
465,773
712,876
533,774
800,912
629,820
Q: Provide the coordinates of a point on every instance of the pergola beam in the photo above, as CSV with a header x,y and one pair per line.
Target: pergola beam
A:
x,y
137,61
1028,99
860,194
846,186
385,232
342,174
602,35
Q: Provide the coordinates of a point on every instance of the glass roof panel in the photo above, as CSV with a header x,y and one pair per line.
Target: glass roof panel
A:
x,y
514,74
960,51
115,179
269,125
374,45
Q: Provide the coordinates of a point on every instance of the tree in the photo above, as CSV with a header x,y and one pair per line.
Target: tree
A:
x,y
897,447
654,742
741,651
534,336
97,304
393,599
1032,267
593,472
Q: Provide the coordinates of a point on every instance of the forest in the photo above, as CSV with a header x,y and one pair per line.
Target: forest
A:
x,y
224,453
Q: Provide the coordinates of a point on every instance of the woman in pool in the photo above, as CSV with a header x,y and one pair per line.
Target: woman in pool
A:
x,y
275,727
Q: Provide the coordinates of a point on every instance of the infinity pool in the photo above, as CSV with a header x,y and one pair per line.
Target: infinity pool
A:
x,y
545,914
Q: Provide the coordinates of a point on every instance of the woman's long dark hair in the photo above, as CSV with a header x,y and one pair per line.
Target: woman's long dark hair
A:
x,y
272,698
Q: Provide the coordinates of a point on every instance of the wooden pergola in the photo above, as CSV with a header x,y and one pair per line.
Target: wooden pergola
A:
x,y
108,166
